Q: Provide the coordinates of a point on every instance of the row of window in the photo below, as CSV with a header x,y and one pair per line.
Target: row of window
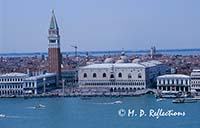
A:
x,y
10,79
11,92
195,82
110,83
195,85
94,75
30,84
164,88
10,86
173,82
116,81
125,89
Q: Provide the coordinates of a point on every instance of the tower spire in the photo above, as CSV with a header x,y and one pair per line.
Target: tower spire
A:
x,y
53,23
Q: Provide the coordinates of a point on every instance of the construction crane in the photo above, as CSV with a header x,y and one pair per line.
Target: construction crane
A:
x,y
75,47
76,57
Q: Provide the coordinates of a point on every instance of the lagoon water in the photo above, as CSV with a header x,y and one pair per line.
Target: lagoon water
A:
x,y
97,112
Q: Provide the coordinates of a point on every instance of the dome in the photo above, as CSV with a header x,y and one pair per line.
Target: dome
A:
x,y
109,60
124,58
136,61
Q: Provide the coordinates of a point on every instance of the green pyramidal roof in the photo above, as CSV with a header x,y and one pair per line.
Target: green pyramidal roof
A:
x,y
53,23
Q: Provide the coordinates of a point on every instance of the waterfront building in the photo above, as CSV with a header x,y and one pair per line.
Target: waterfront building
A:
x,y
37,84
54,55
195,79
70,78
11,84
173,83
120,76
153,69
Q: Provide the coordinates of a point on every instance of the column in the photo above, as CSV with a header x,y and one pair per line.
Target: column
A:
x,y
170,88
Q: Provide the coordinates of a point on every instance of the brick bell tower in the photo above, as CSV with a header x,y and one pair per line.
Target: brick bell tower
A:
x,y
54,55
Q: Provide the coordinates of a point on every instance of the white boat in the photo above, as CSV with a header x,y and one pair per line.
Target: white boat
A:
x,y
40,106
2,116
160,99
118,102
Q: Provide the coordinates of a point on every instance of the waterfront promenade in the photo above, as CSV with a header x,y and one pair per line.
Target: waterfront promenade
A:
x,y
75,92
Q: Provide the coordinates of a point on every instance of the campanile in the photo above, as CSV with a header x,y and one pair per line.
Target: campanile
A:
x,y
54,55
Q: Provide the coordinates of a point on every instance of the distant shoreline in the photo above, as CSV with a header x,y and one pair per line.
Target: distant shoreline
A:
x,y
192,51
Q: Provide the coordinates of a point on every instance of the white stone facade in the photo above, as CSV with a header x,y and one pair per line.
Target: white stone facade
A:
x,y
35,84
195,80
11,84
117,76
173,83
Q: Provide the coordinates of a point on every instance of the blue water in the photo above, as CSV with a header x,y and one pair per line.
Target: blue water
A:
x,y
99,112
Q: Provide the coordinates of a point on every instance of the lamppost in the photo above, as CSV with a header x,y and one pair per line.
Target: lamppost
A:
x,y
63,86
44,85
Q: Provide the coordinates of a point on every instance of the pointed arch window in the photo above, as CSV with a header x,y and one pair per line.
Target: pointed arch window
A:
x,y
120,75
129,76
94,75
112,76
104,75
85,75
139,75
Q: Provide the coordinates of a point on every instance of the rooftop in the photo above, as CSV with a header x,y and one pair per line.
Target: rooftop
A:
x,y
40,76
174,76
116,65
151,63
14,74
125,65
196,70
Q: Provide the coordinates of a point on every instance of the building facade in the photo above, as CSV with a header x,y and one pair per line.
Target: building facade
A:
x,y
54,55
173,83
195,80
70,78
154,69
38,84
11,84
118,76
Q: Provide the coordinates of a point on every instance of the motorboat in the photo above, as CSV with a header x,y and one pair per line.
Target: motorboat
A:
x,y
40,106
2,116
118,102
184,100
160,99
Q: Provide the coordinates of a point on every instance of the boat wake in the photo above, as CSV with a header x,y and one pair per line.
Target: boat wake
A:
x,y
31,107
109,103
39,106
16,117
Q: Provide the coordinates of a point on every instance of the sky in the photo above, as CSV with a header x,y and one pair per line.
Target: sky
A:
x,y
100,24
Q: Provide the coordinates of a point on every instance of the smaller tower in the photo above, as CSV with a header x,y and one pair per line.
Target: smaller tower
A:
x,y
152,52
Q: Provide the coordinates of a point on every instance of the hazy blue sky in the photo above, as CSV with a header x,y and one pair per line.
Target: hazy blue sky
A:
x,y
100,24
